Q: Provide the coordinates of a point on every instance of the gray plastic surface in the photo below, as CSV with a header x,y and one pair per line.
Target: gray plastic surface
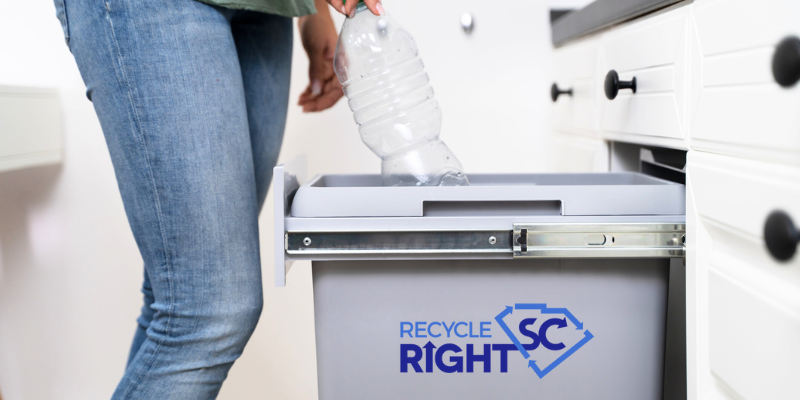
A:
x,y
359,306
286,180
610,194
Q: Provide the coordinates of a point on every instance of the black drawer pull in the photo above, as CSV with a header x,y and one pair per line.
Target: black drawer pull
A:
x,y
781,236
555,92
613,84
786,62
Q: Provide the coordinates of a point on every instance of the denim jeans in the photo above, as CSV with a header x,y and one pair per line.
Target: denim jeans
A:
x,y
192,100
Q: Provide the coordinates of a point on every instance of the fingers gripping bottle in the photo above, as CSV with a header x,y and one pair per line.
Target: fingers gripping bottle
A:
x,y
393,103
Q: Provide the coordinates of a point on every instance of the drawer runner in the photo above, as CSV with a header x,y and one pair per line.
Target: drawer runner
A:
x,y
632,240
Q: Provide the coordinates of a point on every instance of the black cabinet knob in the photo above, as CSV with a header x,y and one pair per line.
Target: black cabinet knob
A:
x,y
613,84
781,235
555,92
786,62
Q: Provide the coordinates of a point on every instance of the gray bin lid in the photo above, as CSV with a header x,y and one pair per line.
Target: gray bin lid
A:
x,y
592,194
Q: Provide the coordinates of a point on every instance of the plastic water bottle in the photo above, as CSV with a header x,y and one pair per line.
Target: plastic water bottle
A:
x,y
393,103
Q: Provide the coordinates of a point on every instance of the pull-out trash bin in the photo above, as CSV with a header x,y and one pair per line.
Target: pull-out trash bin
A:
x,y
546,286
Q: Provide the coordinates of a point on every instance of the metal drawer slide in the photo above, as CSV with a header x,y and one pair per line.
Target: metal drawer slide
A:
x,y
633,240
598,240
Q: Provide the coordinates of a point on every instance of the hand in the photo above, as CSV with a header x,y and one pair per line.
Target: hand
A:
x,y
319,40
349,6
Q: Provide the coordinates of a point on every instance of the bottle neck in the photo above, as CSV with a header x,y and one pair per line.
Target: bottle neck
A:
x,y
361,7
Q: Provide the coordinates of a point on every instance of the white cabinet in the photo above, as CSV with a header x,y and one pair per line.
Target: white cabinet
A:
x,y
30,127
739,108
705,84
746,305
576,72
653,51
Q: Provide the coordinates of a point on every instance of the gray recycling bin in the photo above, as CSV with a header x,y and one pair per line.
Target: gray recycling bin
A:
x,y
546,286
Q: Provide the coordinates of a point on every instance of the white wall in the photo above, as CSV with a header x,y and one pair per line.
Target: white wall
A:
x,y
70,271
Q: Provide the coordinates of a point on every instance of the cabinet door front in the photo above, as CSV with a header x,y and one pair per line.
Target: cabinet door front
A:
x,y
740,108
746,304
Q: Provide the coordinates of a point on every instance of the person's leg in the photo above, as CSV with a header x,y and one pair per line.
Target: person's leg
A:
x,y
264,44
165,80
143,322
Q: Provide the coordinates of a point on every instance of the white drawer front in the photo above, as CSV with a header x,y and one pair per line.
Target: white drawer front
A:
x,y
741,193
653,51
575,68
753,301
725,26
739,108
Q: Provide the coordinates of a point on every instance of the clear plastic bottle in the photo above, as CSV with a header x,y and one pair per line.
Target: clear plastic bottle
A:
x,y
393,103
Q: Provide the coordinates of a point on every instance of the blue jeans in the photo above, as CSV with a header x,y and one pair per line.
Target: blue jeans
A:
x,y
192,100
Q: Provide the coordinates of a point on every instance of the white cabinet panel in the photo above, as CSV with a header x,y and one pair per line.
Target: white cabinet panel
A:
x,y
654,51
753,341
738,108
743,306
741,193
30,127
738,68
576,69
725,26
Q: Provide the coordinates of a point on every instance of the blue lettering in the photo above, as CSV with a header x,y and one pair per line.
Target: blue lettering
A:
x,y
485,329
410,327
420,328
448,328
429,329
504,349
414,360
412,354
429,357
560,323
459,361
486,358
420,332
470,330
523,328
456,329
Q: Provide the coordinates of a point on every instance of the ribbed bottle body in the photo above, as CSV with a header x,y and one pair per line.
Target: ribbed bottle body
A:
x,y
393,102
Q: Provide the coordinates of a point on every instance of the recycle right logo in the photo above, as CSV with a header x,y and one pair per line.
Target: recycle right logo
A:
x,y
540,338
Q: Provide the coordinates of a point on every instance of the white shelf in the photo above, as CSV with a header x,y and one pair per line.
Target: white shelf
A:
x,y
30,127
